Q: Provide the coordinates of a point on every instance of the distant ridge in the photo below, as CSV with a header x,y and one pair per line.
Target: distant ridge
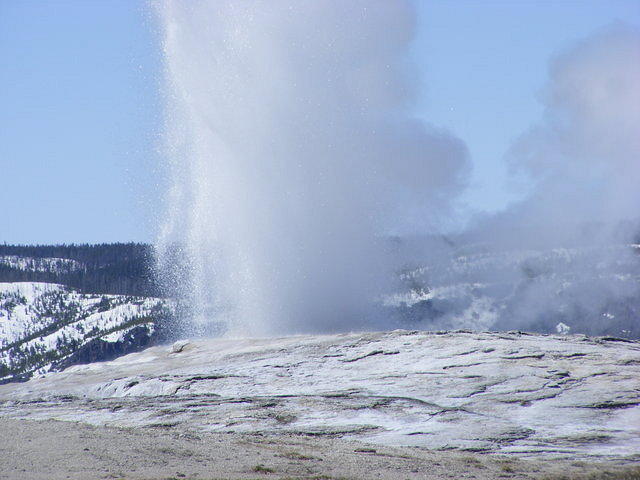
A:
x,y
109,268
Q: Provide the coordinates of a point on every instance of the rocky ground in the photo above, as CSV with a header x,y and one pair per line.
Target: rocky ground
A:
x,y
380,405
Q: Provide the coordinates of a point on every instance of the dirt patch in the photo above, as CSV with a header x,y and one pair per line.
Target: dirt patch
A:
x,y
54,450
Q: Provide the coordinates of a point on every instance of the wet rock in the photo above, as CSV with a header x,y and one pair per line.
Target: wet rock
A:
x,y
179,346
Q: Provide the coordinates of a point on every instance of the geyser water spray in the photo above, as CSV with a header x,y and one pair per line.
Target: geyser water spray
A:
x,y
293,151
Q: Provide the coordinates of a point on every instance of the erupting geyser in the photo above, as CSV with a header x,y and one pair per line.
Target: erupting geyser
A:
x,y
293,152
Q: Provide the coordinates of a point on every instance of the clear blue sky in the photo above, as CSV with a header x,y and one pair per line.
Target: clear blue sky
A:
x,y
484,64
80,110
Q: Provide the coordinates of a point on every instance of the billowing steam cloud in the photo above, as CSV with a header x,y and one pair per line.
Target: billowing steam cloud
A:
x,y
584,158
293,154
585,161
563,255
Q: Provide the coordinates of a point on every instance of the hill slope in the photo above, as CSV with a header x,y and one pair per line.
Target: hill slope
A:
x,y
47,326
67,304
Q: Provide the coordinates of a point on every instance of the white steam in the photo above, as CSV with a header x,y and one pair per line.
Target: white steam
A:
x,y
575,229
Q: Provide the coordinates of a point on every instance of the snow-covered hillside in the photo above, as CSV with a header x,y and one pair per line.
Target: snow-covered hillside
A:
x,y
47,326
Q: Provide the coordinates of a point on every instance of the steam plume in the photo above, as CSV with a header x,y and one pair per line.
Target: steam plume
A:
x,y
573,232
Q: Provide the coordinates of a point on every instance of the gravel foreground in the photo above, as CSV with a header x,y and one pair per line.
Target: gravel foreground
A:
x,y
52,450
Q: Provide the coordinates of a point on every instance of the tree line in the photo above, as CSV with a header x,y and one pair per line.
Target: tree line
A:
x,y
108,268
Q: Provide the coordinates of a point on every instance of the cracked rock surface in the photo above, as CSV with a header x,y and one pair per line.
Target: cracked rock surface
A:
x,y
511,393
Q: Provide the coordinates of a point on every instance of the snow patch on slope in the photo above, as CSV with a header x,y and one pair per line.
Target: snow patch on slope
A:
x,y
43,323
41,264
